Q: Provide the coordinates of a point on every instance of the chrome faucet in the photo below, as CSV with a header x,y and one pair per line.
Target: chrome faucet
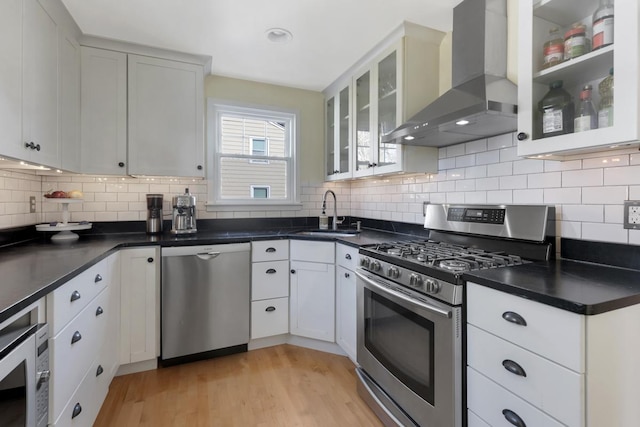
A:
x,y
335,207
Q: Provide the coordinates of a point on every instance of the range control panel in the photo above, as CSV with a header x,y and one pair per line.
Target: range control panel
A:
x,y
478,215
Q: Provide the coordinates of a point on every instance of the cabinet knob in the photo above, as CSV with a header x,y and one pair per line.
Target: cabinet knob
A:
x,y
121,164
522,136
293,272
370,165
513,418
512,317
32,145
199,167
514,368
97,279
150,260
99,311
270,309
347,275
76,337
348,256
99,371
76,410
75,295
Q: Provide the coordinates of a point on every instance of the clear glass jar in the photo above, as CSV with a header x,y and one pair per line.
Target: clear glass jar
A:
x,y
576,42
603,25
605,110
553,49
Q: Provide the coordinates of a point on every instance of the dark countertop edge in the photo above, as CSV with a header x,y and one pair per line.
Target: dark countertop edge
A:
x,y
186,241
572,306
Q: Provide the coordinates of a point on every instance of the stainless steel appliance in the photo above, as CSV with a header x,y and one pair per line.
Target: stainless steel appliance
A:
x,y
205,301
154,213
184,213
24,376
410,306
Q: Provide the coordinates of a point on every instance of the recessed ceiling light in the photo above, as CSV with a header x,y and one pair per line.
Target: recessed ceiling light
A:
x,y
279,35
409,138
462,122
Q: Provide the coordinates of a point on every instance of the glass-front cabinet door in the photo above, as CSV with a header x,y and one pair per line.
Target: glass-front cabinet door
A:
x,y
388,111
570,54
330,147
364,138
338,130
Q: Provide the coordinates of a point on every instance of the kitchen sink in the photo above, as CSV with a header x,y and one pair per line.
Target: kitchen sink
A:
x,y
328,233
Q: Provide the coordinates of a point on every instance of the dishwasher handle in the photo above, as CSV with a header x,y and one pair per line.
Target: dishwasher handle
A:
x,y
207,255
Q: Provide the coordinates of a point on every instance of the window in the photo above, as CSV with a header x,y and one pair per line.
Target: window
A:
x,y
251,145
260,191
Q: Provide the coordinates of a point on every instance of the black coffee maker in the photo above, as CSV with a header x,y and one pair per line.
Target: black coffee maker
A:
x,y
154,213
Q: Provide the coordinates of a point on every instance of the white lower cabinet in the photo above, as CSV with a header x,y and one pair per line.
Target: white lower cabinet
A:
x,y
269,288
346,335
532,364
140,304
312,299
82,334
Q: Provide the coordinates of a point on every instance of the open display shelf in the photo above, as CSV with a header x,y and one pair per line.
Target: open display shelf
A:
x,y
64,230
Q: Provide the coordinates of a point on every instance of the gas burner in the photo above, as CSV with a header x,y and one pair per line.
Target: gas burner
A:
x,y
455,265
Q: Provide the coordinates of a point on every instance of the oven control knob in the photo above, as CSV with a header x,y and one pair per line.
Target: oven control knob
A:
x,y
415,281
375,266
432,286
364,262
393,272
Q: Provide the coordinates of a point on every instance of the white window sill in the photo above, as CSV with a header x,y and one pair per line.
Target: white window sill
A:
x,y
253,207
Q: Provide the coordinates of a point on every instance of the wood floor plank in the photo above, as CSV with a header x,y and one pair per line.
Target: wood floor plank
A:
x,y
276,386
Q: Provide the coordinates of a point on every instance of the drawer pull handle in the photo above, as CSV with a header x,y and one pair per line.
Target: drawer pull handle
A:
x,y
348,256
270,250
76,411
99,311
514,368
75,296
513,418
347,275
512,317
270,309
76,337
99,371
97,279
271,271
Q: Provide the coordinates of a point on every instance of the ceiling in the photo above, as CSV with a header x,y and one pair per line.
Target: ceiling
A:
x,y
329,36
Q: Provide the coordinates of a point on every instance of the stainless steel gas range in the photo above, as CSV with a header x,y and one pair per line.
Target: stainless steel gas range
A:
x,y
410,306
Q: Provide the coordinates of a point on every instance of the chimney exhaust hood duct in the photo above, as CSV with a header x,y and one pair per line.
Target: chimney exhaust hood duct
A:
x,y
482,102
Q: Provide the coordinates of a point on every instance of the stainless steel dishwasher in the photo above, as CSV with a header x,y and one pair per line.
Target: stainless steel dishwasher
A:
x,y
206,301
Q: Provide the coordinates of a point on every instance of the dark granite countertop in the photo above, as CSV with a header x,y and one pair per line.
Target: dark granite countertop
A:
x,y
30,271
579,287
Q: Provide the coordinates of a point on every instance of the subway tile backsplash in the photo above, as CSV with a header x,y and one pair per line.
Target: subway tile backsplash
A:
x,y
588,193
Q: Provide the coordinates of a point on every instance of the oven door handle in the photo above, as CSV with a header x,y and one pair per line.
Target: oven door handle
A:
x,y
421,304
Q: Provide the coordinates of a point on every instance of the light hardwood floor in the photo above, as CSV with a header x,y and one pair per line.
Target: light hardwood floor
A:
x,y
283,385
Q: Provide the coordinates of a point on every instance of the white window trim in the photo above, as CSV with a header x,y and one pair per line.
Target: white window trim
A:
x,y
216,107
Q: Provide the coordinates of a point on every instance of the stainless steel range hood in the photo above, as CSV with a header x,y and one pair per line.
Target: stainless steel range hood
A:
x,y
481,93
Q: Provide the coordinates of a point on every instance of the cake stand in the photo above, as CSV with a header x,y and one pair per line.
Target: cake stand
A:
x,y
64,230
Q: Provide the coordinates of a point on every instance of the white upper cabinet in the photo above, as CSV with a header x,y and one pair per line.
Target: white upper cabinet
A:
x,y
104,111
166,117
40,86
536,19
338,144
69,101
11,143
389,85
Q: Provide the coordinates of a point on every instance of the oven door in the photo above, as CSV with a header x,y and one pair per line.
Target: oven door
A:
x,y
17,378
410,346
